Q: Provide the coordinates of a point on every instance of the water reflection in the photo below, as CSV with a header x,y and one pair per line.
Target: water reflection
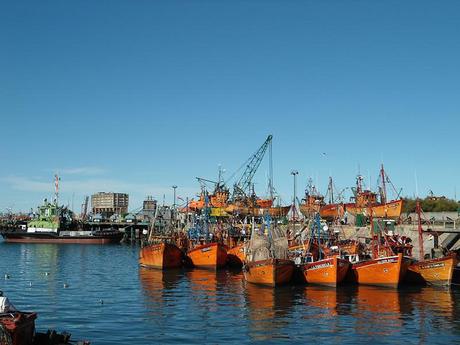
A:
x,y
145,306
157,283
268,311
378,311
329,301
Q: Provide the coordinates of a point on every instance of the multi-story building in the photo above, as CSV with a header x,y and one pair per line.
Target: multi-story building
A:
x,y
108,204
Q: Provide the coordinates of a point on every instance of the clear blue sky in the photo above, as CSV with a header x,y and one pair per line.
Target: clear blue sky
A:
x,y
135,96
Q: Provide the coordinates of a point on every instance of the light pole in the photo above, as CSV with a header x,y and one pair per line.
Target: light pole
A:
x,y
174,204
294,209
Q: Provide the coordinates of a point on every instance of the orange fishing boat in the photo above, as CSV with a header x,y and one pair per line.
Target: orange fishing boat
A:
x,y
220,198
196,205
312,202
438,271
390,259
271,272
279,211
264,203
332,211
210,255
391,209
161,255
267,261
236,256
365,202
330,271
385,271
239,208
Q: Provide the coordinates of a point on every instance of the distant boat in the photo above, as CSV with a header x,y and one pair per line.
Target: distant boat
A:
x,y
365,202
56,224
312,202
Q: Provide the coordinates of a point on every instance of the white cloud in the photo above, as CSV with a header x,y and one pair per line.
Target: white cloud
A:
x,y
81,171
137,191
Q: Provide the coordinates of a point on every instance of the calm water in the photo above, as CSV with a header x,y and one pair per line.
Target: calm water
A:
x,y
110,300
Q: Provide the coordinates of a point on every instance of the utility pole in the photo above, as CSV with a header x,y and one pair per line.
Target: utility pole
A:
x,y
174,204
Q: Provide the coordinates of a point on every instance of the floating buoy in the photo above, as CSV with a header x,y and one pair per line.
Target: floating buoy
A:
x,y
30,283
101,301
47,273
65,285
7,276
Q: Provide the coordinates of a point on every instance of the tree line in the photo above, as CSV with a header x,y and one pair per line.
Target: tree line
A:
x,y
430,204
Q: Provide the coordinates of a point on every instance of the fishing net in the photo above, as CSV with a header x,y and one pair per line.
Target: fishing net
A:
x,y
280,243
259,248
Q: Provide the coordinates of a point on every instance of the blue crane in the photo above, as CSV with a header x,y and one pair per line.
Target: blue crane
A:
x,y
242,187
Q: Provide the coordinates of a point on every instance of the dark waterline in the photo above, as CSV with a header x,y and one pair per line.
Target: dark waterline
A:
x,y
110,300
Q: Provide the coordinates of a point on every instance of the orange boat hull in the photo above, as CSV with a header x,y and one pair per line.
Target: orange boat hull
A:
x,y
433,271
161,256
279,211
309,210
264,203
330,271
236,256
391,209
271,272
331,211
387,271
211,256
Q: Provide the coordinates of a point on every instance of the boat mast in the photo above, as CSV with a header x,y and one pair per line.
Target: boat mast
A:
x,y
330,189
420,231
318,226
384,188
375,236
56,189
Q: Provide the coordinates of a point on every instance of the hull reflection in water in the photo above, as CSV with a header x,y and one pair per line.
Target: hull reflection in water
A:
x,y
158,285
378,310
328,301
267,309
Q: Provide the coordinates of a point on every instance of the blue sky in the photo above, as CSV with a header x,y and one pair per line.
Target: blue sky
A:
x,y
135,96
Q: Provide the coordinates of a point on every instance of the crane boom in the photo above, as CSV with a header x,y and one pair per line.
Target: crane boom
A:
x,y
243,186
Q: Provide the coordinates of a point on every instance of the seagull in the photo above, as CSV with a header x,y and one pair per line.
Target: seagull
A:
x,y
7,276
30,283
65,285
101,301
47,273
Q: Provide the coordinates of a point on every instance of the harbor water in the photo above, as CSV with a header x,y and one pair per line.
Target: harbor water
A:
x,y
99,293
